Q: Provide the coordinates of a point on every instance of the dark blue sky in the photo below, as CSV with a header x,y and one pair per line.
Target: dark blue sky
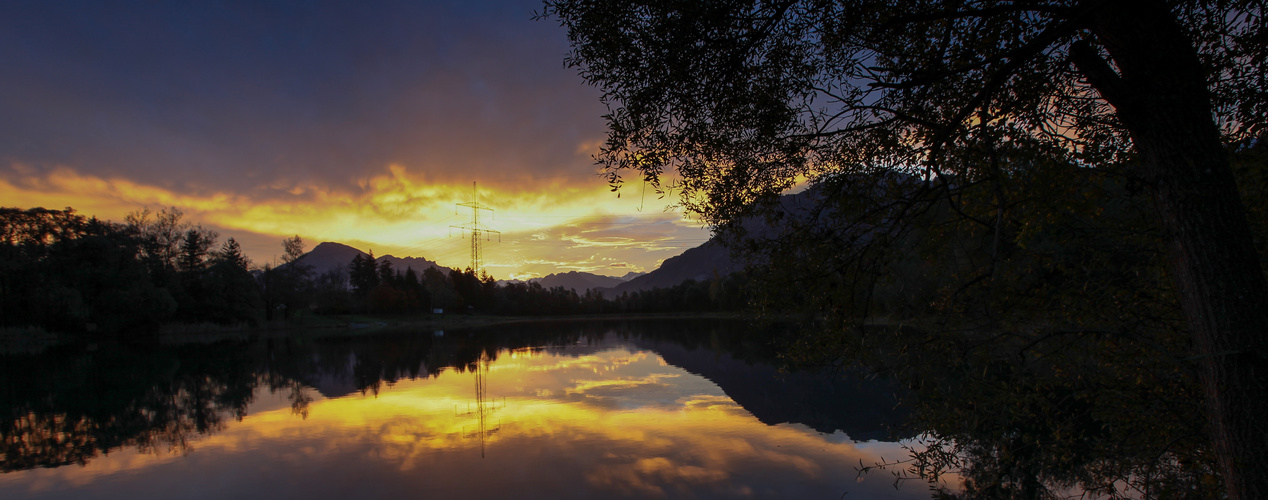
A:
x,y
183,91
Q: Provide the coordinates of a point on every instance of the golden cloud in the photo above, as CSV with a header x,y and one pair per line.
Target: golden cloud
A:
x,y
702,442
544,228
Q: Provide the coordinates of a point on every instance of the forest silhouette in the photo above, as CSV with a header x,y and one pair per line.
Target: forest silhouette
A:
x,y
64,272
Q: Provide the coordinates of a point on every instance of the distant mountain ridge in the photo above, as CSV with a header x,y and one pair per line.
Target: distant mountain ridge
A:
x,y
700,263
707,261
330,255
578,281
713,259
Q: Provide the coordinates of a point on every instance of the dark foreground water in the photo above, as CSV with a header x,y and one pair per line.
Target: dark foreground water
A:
x,y
564,410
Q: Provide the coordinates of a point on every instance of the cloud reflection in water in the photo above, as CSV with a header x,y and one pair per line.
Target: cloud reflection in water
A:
x,y
613,422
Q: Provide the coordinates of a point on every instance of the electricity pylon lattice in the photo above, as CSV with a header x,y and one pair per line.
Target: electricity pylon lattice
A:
x,y
477,230
485,407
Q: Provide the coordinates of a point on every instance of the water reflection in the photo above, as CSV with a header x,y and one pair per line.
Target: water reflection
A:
x,y
570,410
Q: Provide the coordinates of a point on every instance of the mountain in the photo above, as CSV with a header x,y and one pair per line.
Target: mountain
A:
x,y
864,408
329,255
578,281
712,259
699,263
418,264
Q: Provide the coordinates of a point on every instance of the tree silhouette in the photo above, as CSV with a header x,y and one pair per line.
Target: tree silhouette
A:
x,y
64,272
230,292
231,253
363,274
745,99
294,276
161,238
195,247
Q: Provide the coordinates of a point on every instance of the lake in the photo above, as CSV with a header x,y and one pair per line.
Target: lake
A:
x,y
630,409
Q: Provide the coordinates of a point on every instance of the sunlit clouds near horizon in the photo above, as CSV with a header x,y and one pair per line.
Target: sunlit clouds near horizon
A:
x,y
565,228
362,123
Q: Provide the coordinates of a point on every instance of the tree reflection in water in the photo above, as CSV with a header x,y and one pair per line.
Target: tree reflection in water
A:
x,y
1010,429
1087,415
71,404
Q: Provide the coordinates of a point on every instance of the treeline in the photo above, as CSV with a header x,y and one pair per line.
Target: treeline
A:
x,y
62,271
374,286
65,272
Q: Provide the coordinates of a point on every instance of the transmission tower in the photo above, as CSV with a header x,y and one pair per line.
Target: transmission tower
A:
x,y
477,229
485,407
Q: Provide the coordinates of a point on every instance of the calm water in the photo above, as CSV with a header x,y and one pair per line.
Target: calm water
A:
x,y
567,410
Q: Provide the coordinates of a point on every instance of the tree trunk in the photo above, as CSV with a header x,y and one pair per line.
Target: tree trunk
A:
x,y
1161,97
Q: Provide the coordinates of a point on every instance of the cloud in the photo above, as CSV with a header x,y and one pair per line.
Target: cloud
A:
x,y
228,97
697,443
599,243
395,211
354,122
618,385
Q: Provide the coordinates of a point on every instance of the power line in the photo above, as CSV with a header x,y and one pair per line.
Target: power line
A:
x,y
477,229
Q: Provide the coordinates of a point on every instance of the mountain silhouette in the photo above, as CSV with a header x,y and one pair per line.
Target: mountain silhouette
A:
x,y
705,262
700,263
578,281
329,255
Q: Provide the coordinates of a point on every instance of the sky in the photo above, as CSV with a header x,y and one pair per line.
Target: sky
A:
x,y
361,122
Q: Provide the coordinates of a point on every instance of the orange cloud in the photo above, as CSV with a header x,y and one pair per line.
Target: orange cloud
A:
x,y
697,441
548,228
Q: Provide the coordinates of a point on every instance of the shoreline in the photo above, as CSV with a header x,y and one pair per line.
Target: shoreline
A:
x,y
19,341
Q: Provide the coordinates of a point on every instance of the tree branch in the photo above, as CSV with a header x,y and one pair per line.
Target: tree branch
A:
x,y
1030,49
1099,73
979,13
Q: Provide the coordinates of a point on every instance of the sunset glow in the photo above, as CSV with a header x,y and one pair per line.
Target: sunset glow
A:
x,y
580,227
616,420
261,145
